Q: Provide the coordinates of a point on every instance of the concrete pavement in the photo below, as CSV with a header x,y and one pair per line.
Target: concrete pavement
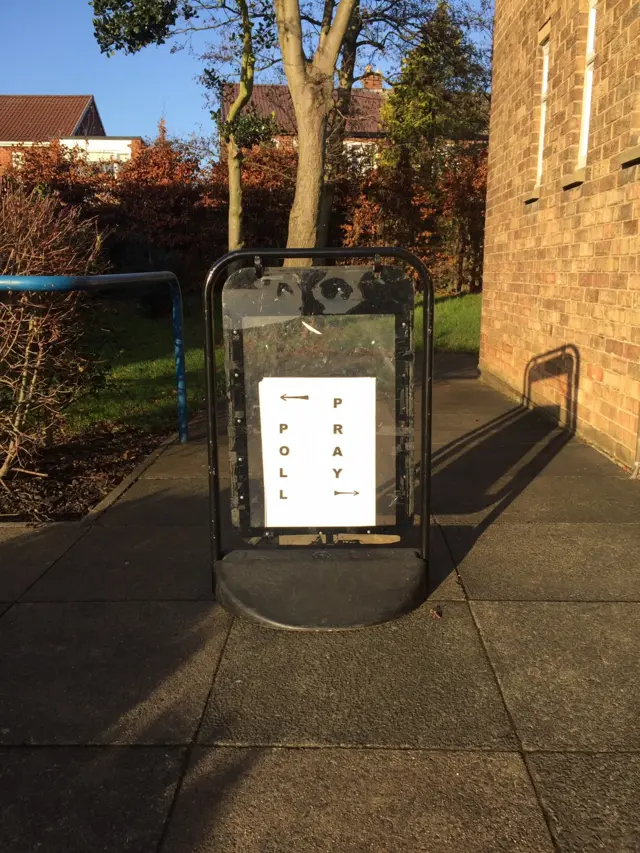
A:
x,y
136,715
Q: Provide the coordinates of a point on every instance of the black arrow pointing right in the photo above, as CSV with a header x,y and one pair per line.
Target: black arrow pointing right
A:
x,y
346,493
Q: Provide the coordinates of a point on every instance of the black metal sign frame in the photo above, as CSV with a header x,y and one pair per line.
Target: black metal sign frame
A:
x,y
260,312
214,278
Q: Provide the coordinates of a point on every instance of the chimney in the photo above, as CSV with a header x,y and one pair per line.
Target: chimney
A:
x,y
372,80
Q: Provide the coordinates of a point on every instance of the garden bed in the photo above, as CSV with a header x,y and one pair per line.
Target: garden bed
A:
x,y
109,432
73,478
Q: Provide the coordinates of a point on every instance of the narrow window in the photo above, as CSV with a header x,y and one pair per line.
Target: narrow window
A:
x,y
587,91
543,107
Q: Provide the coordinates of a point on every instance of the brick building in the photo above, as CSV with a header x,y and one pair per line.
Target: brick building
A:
x,y
561,307
73,120
364,127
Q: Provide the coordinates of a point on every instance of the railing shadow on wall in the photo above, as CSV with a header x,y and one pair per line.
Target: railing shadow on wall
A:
x,y
480,474
559,362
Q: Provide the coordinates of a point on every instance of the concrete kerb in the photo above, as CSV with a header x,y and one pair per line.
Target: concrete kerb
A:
x,y
116,493
95,512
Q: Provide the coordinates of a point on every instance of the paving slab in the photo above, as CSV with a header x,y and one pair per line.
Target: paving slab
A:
x,y
571,457
422,681
198,426
569,672
76,800
322,801
469,398
139,563
107,673
462,417
548,562
469,430
468,442
560,456
4,606
165,502
180,461
27,552
569,499
476,479
591,800
455,365
481,425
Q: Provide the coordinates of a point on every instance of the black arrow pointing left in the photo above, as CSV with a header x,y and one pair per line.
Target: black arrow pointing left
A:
x,y
286,397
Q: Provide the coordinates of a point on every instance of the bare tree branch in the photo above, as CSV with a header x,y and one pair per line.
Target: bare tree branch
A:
x,y
290,33
329,49
325,25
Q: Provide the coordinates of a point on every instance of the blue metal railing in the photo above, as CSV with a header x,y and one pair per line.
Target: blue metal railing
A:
x,y
67,284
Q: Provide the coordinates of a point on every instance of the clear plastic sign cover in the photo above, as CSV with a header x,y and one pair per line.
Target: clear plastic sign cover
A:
x,y
319,365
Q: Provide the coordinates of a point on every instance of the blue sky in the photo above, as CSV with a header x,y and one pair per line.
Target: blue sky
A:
x,y
47,47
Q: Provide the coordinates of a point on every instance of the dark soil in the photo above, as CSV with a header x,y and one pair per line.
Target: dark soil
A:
x,y
79,475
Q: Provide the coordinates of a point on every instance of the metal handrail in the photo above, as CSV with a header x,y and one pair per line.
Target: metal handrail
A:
x,y
88,283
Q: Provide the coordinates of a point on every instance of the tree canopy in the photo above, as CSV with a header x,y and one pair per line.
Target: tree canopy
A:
x,y
443,89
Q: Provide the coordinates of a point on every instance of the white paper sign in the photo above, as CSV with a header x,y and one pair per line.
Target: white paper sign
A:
x,y
319,451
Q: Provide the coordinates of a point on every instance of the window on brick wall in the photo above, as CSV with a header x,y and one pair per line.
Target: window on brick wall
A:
x,y
587,92
544,91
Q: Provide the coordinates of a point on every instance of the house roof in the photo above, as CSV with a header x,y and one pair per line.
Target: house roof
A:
x,y
364,116
37,118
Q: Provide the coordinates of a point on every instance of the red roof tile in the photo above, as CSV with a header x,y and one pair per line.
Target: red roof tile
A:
x,y
37,118
364,118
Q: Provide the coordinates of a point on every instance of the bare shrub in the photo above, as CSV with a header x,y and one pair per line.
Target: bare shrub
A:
x,y
42,364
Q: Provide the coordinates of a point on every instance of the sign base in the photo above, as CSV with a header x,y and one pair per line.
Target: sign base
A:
x,y
321,590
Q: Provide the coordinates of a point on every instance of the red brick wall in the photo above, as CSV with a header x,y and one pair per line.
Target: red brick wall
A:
x,y
5,159
565,269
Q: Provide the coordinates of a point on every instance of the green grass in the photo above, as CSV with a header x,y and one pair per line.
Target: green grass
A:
x,y
457,323
140,388
140,385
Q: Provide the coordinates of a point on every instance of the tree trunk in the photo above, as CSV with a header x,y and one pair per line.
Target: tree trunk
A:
x,y
326,208
311,117
337,124
234,164
335,160
311,87
234,152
